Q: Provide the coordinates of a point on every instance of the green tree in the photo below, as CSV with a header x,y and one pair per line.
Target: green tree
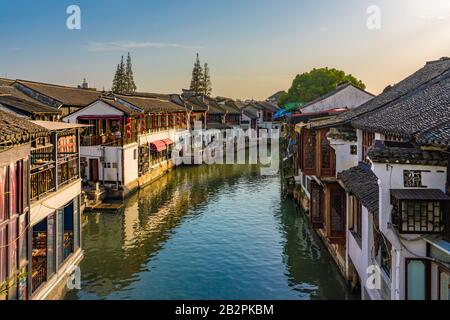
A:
x,y
130,85
206,85
311,85
119,83
197,76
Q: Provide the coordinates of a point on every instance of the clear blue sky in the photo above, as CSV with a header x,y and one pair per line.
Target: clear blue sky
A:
x,y
253,47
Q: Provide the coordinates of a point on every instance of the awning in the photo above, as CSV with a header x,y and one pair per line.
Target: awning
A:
x,y
168,142
158,146
419,194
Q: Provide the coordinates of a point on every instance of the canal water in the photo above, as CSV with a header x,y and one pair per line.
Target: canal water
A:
x,y
207,232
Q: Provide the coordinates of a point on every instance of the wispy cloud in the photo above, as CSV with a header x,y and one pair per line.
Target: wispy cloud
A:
x,y
129,45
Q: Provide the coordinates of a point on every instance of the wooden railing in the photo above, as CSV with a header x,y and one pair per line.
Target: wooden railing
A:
x,y
43,173
101,140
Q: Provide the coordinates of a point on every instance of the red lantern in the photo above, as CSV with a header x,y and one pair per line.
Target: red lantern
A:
x,y
128,128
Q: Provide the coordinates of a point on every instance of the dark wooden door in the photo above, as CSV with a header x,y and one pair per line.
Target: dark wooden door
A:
x,y
338,214
93,170
317,205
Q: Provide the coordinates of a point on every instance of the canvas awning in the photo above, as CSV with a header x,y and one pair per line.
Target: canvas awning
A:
x,y
158,146
168,142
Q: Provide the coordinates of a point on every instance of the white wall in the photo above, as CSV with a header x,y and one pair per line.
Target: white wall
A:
x,y
41,209
97,108
131,158
111,155
391,177
350,98
344,159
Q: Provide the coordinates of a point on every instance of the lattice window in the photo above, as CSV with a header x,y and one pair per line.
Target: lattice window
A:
x,y
412,179
310,144
422,217
326,154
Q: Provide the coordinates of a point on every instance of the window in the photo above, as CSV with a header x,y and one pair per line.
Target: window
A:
x,y
39,252
76,223
356,217
338,210
412,179
134,154
3,264
354,150
51,248
417,279
309,152
444,285
68,236
3,193
368,138
317,202
420,216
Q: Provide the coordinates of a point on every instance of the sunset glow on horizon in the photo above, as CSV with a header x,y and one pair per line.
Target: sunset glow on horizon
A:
x,y
254,47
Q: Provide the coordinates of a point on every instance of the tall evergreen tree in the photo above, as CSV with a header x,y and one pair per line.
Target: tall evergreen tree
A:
x,y
206,85
197,75
115,85
119,84
130,86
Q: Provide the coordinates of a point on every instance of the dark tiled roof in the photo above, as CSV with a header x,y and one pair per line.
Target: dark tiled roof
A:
x,y
268,106
401,153
69,96
214,107
342,133
276,96
17,130
363,183
152,104
250,112
431,71
421,109
119,106
25,106
419,194
13,91
230,107
439,135
195,103
6,82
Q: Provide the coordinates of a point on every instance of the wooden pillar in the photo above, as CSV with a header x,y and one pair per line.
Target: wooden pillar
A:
x,y
54,140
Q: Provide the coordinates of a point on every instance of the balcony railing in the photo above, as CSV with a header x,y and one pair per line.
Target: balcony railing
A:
x,y
44,172
42,180
101,140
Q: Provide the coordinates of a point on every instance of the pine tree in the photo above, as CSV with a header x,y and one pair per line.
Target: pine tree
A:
x,y
206,85
130,86
119,83
197,75
115,85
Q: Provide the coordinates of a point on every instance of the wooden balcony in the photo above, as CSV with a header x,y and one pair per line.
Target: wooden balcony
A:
x,y
47,175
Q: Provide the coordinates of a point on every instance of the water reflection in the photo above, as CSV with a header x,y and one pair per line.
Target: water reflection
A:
x,y
209,232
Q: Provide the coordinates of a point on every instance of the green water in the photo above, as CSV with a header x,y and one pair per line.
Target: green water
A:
x,y
207,232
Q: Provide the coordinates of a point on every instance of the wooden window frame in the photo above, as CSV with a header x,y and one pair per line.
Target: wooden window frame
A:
x,y
330,170
355,216
398,215
367,141
309,152
337,237
317,221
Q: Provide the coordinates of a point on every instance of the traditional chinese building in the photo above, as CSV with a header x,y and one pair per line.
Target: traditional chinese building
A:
x,y
40,210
